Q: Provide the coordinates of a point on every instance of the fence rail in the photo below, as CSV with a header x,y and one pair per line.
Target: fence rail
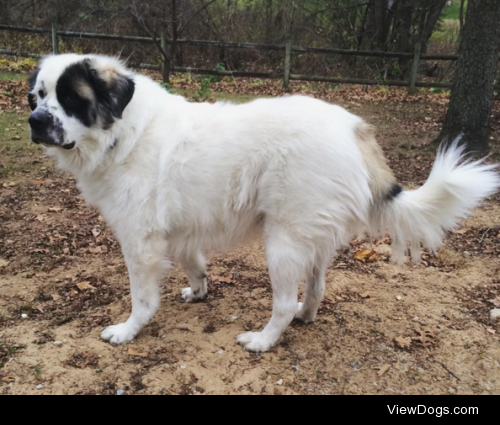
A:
x,y
288,49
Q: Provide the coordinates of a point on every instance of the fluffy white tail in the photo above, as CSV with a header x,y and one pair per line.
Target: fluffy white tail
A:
x,y
423,216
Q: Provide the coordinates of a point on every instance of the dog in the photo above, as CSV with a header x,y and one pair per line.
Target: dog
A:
x,y
176,180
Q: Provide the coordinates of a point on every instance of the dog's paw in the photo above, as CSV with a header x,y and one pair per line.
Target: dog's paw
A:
x,y
303,317
256,342
190,297
119,334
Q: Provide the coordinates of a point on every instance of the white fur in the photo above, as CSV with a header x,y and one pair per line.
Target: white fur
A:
x,y
454,188
185,179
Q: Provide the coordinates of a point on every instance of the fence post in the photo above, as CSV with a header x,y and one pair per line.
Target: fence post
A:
x,y
55,39
165,57
414,69
288,62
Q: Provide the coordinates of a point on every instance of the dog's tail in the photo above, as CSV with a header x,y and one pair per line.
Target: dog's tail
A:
x,y
412,217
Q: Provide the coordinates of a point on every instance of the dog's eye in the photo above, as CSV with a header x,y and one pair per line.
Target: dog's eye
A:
x,y
71,97
41,94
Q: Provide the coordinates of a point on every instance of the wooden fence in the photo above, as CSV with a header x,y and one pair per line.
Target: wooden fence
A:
x,y
288,50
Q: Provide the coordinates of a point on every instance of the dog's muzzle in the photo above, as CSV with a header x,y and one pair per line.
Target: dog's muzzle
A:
x,y
47,130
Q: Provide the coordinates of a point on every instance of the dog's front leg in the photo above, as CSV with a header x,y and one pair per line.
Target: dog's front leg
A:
x,y
146,267
196,270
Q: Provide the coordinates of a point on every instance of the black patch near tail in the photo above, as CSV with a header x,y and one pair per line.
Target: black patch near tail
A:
x,y
395,191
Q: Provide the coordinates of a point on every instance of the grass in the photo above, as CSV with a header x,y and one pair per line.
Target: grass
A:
x,y
15,143
12,76
449,28
7,352
37,371
235,98
449,31
453,11
228,97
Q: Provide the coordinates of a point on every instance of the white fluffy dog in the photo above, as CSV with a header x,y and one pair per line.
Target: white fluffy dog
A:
x,y
176,180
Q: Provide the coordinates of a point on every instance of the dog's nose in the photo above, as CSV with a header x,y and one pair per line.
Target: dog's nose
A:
x,y
39,120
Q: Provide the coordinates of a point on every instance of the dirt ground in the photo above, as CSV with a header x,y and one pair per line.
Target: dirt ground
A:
x,y
381,329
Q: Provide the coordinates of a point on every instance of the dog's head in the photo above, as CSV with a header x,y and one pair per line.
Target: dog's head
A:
x,y
75,99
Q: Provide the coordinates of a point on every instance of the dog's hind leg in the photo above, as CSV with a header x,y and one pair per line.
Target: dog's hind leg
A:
x,y
286,267
146,265
196,271
315,291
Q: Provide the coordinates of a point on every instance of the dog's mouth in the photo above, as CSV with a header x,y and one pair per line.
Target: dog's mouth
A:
x,y
51,144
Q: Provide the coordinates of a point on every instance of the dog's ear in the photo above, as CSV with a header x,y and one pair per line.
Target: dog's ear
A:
x,y
32,79
32,82
114,91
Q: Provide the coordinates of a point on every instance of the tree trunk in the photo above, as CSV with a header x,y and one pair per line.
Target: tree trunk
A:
x,y
435,12
175,30
462,21
375,36
469,114
269,21
402,32
362,33
4,12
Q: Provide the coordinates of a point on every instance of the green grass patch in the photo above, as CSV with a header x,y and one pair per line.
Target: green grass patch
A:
x,y
218,96
16,149
448,31
453,11
13,77
235,98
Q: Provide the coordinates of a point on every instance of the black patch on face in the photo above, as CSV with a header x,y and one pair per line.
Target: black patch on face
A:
x,y
108,98
395,191
32,83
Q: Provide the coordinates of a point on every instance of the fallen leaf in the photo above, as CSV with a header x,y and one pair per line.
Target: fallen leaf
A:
x,y
383,370
8,380
426,337
491,331
56,297
55,209
3,263
82,361
96,233
84,286
367,256
39,308
403,342
11,184
365,295
495,302
222,279
132,352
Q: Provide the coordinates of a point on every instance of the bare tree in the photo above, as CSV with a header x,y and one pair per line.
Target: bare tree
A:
x,y
471,102
156,21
